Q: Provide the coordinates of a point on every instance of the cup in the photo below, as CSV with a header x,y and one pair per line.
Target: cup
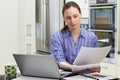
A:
x,y
10,71
1,77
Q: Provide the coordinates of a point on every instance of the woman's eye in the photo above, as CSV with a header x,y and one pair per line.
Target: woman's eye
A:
x,y
75,16
68,18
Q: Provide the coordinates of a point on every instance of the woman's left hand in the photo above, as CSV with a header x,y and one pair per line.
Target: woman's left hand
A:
x,y
95,69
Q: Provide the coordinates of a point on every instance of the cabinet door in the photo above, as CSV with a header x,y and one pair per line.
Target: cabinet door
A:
x,y
27,19
108,68
27,46
27,25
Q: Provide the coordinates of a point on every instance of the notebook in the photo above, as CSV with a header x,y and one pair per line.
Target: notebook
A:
x,y
39,66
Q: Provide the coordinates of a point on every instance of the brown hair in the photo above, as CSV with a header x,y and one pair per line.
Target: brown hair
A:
x,y
67,6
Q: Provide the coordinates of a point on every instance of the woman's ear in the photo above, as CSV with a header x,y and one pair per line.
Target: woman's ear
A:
x,y
80,15
64,19
65,23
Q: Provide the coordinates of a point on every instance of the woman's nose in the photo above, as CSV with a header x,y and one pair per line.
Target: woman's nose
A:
x,y
72,20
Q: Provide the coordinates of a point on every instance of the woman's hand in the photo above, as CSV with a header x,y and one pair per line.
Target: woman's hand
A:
x,y
67,66
95,69
76,71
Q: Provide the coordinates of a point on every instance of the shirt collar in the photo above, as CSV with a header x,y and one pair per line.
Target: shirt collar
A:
x,y
67,33
82,34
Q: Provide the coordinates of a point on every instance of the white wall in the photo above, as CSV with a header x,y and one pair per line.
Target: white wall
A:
x,y
8,31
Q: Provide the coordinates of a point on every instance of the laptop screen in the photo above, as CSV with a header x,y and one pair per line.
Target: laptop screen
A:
x,y
37,65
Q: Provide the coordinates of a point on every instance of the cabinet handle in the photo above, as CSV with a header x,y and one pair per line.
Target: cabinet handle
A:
x,y
29,30
28,48
102,7
119,52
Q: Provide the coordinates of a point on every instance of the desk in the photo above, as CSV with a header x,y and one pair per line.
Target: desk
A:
x,y
67,78
31,78
76,77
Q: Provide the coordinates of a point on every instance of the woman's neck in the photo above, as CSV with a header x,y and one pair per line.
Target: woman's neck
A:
x,y
75,32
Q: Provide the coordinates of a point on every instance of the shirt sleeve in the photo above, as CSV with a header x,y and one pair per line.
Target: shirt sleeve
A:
x,y
95,41
56,47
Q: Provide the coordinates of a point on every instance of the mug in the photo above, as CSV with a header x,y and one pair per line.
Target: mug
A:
x,y
10,71
1,77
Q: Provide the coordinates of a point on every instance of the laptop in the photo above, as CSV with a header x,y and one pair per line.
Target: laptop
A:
x,y
39,66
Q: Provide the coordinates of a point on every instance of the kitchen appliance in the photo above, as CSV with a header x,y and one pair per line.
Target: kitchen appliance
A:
x,y
103,24
48,20
42,25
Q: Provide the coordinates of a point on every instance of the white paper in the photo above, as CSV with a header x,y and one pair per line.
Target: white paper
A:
x,y
88,55
75,67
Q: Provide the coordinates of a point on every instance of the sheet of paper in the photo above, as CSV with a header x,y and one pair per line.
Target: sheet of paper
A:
x,y
75,67
88,55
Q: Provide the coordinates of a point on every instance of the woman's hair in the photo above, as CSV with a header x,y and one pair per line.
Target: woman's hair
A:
x,y
67,6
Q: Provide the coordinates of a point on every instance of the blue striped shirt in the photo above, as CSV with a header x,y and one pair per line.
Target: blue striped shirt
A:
x,y
63,47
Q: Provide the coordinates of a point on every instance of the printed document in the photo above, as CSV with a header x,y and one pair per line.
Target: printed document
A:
x,y
90,57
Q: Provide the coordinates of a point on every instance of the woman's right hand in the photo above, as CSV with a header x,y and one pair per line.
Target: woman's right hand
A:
x,y
69,67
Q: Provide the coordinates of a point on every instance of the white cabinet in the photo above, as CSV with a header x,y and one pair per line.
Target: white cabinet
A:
x,y
84,5
108,68
27,26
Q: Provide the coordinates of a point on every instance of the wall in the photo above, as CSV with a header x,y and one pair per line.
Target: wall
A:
x,y
8,31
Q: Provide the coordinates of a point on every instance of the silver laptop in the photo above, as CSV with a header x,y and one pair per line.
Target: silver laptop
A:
x,y
39,66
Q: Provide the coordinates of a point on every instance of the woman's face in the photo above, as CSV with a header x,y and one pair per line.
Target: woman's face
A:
x,y
72,17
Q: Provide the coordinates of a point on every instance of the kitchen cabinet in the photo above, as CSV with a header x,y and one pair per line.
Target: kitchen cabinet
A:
x,y
27,26
37,23
84,5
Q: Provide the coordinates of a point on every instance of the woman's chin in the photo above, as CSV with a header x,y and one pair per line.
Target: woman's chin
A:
x,y
73,28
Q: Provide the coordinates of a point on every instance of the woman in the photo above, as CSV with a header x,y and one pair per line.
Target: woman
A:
x,y
66,43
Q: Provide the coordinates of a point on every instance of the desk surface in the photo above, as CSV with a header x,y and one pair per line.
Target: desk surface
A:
x,y
76,77
67,78
31,78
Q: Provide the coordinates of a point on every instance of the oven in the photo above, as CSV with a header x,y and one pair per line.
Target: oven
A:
x,y
103,23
